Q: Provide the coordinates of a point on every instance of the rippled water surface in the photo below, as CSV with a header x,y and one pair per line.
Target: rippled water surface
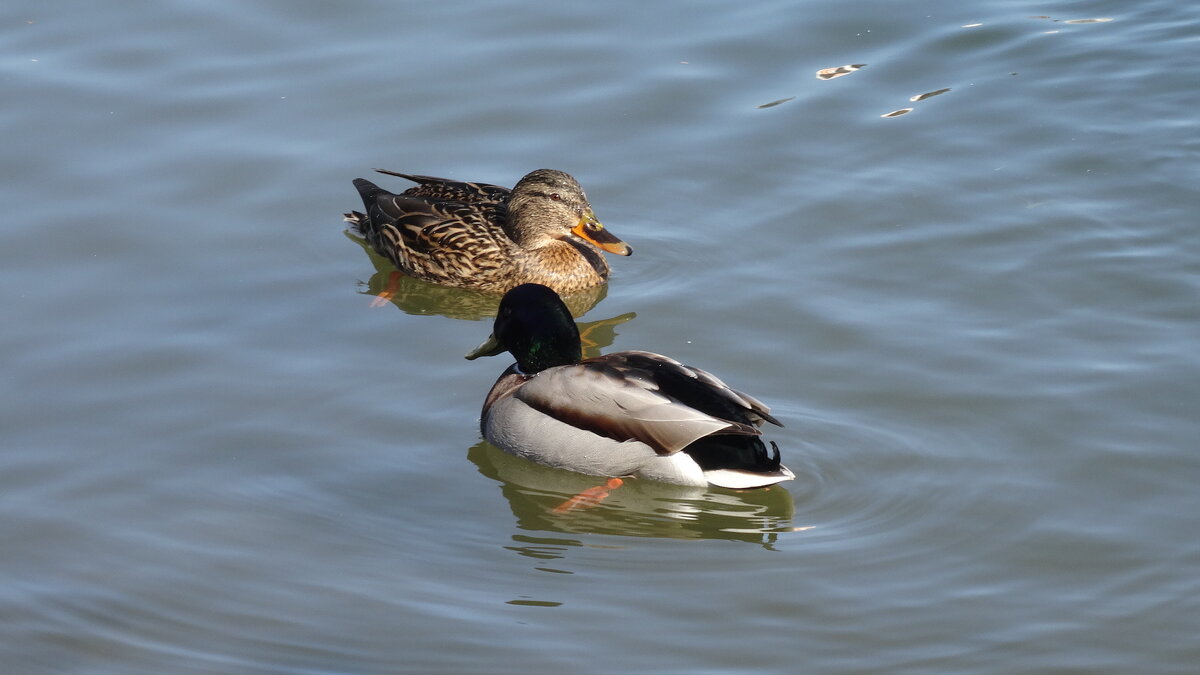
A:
x,y
978,320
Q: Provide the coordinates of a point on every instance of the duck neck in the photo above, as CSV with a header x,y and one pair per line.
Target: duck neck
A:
x,y
542,354
525,237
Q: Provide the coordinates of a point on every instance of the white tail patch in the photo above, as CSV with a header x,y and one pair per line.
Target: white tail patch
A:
x,y
739,480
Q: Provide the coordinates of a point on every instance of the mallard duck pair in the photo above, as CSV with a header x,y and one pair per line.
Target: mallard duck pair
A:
x,y
627,413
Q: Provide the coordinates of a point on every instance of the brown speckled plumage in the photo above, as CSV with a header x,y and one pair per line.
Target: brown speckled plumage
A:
x,y
486,237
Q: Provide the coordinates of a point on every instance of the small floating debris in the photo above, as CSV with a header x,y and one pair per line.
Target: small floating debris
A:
x,y
971,25
930,94
772,104
534,603
897,113
1100,20
830,73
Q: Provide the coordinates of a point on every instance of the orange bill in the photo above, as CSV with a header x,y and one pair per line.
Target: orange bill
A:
x,y
590,229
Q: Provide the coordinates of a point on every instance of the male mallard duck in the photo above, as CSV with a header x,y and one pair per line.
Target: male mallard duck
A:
x,y
621,414
488,238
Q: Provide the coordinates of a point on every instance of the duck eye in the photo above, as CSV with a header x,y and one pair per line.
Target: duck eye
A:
x,y
555,197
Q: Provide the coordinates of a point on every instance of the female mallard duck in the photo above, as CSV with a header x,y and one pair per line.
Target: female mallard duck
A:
x,y
488,238
621,414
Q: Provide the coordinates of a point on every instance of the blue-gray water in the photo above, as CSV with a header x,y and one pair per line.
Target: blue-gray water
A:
x,y
978,320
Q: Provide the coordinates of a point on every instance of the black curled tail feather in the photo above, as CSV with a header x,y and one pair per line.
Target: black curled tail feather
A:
x,y
745,453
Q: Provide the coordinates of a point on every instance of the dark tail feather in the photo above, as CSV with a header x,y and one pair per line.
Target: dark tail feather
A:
x,y
413,177
368,191
745,453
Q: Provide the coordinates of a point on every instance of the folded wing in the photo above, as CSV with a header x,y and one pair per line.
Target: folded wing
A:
x,y
640,396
